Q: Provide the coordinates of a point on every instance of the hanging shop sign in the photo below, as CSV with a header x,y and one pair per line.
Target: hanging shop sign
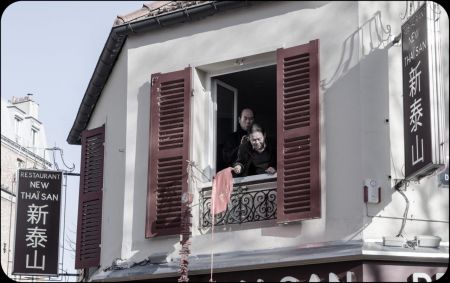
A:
x,y
421,114
37,222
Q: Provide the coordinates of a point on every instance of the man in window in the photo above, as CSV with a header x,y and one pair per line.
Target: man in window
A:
x,y
255,156
234,140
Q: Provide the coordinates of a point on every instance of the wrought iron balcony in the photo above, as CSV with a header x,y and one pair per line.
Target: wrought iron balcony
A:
x,y
252,200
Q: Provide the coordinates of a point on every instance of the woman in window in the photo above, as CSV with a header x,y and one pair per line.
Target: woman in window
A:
x,y
255,156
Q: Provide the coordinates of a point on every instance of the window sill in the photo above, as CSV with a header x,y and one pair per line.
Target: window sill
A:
x,y
254,179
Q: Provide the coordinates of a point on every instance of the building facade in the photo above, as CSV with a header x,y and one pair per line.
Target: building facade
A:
x,y
325,79
22,146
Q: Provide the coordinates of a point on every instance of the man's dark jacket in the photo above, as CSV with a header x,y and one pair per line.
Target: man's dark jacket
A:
x,y
231,146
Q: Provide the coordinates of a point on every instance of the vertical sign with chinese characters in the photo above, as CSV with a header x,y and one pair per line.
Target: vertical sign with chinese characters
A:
x,y
37,224
416,95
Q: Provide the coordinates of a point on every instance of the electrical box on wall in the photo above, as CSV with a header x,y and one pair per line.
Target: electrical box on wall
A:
x,y
428,241
394,241
372,191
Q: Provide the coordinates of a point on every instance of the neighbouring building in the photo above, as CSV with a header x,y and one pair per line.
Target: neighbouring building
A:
x,y
23,146
325,79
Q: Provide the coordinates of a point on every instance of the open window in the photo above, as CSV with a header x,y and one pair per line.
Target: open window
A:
x,y
226,116
285,99
254,89
284,95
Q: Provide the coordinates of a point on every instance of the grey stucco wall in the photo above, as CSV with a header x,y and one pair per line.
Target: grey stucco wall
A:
x,y
360,77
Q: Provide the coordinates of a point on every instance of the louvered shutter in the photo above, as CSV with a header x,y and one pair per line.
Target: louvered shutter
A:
x,y
90,200
168,152
298,157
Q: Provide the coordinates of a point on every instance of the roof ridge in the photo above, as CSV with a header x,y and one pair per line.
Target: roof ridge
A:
x,y
152,9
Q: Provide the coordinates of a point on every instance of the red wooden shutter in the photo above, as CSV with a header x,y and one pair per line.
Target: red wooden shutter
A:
x,y
90,201
298,156
168,152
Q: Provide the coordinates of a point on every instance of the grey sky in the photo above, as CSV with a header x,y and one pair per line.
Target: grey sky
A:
x,y
50,49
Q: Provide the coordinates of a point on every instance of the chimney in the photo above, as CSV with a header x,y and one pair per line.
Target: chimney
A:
x,y
27,105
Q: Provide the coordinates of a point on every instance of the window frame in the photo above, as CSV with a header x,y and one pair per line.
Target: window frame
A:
x,y
34,136
212,114
17,127
20,164
309,50
300,64
215,83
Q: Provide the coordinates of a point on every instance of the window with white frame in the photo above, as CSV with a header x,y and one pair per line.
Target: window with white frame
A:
x,y
285,98
17,127
254,89
20,164
34,137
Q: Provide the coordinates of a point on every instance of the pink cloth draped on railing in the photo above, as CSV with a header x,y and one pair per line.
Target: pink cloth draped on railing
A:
x,y
222,186
221,190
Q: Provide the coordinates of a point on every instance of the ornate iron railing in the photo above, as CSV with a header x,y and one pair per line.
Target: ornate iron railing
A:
x,y
249,203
